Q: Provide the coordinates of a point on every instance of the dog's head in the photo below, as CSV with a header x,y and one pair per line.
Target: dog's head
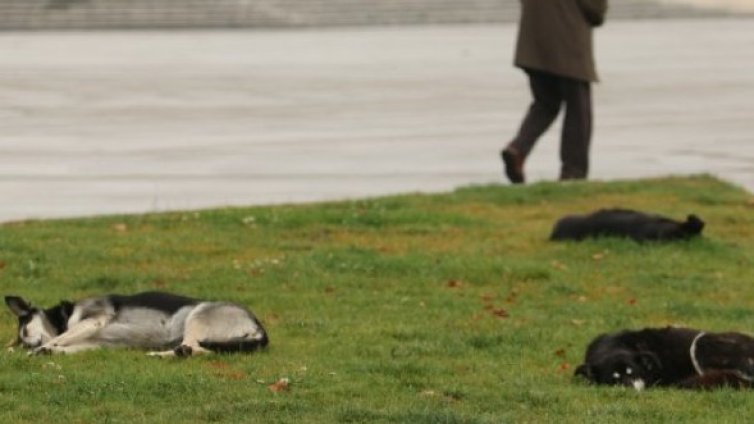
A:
x,y
667,229
693,225
36,326
623,368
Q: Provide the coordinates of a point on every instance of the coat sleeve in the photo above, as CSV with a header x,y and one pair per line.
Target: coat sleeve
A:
x,y
594,10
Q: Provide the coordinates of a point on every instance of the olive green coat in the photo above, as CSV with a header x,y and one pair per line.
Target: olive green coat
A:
x,y
555,36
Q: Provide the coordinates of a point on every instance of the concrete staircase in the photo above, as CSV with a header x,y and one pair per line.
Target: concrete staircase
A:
x,y
113,14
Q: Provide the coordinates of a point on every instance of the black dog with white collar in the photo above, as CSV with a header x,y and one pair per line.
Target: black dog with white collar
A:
x,y
675,357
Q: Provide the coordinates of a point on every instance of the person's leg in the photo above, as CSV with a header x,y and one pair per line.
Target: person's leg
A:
x,y
577,129
545,89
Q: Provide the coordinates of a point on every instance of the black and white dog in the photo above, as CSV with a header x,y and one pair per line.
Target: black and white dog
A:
x,y
168,324
675,357
628,223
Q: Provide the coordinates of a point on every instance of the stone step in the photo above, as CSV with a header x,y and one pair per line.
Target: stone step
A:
x,y
94,14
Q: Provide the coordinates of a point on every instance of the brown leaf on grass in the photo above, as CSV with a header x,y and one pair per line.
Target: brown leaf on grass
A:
x,y
329,289
224,370
159,283
565,366
500,313
255,272
282,385
454,284
2,264
631,301
560,352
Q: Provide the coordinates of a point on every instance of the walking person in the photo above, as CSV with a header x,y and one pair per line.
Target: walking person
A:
x,y
555,50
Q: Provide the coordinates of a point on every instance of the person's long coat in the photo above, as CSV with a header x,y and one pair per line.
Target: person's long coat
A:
x,y
555,36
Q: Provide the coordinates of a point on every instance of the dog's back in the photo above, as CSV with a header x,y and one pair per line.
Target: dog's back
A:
x,y
628,223
168,303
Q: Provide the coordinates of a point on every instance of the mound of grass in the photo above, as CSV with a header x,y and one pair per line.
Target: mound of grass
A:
x,y
450,308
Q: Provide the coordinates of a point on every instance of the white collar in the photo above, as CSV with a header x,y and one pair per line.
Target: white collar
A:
x,y
692,353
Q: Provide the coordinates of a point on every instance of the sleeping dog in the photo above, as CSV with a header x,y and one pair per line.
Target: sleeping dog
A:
x,y
168,324
636,225
675,357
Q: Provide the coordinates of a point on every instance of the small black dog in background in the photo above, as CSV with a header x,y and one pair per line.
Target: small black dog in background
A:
x,y
636,225
670,357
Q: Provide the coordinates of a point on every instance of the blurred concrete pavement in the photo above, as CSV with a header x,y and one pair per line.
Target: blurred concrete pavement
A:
x,y
129,122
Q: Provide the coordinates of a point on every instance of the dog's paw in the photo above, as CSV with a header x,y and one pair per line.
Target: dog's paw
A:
x,y
183,351
41,350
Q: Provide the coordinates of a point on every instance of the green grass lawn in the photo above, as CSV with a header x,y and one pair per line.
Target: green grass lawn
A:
x,y
449,308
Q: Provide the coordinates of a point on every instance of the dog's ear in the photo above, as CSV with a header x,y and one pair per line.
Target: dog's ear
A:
x,y
18,306
585,371
649,361
66,309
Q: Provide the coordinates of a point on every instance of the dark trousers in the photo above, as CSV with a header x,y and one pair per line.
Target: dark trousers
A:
x,y
549,92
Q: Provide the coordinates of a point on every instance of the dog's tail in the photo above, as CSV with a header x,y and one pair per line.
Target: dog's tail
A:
x,y
693,225
238,344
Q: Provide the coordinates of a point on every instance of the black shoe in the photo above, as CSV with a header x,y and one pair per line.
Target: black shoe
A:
x,y
514,165
570,175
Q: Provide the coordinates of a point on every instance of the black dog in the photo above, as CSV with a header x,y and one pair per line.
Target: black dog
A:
x,y
675,357
636,225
